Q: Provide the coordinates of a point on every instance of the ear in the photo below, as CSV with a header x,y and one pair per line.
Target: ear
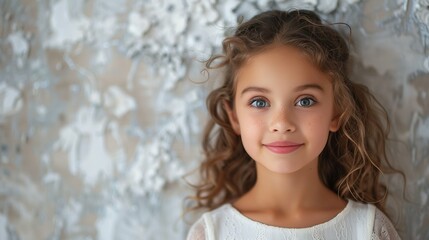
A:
x,y
335,124
232,116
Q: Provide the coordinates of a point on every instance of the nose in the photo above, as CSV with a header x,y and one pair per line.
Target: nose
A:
x,y
282,121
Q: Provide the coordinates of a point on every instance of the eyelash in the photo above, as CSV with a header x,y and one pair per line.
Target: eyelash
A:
x,y
254,100
312,102
298,103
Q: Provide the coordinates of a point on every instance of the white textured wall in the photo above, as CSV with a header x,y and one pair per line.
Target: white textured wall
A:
x,y
100,117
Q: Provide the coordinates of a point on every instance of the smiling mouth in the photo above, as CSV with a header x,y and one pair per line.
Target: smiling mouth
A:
x,y
283,147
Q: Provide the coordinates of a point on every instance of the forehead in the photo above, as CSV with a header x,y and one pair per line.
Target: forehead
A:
x,y
279,65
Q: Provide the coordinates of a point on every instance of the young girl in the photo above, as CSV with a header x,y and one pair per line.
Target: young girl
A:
x,y
294,149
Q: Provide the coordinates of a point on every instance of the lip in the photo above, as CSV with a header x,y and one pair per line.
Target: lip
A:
x,y
283,147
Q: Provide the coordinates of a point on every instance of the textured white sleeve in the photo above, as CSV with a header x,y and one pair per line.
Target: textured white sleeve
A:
x,y
383,228
197,231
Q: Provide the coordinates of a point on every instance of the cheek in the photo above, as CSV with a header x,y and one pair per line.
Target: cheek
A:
x,y
317,129
251,128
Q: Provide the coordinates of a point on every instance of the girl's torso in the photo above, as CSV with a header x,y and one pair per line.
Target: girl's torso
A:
x,y
355,221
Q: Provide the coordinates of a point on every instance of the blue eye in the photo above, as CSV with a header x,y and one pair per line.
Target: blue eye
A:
x,y
259,103
305,102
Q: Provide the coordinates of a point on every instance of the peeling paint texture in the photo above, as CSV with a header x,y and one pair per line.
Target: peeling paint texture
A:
x,y
101,115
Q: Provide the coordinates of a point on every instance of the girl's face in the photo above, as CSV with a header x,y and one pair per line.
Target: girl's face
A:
x,y
283,109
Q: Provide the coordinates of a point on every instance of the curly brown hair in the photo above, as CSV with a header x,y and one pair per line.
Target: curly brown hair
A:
x,y
355,155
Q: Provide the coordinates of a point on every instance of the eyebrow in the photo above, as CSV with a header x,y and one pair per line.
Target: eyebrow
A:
x,y
297,89
255,89
311,86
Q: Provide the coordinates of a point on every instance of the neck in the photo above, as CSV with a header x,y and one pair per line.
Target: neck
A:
x,y
302,189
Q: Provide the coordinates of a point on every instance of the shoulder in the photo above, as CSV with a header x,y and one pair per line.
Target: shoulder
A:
x,y
205,226
377,223
362,212
383,228
197,231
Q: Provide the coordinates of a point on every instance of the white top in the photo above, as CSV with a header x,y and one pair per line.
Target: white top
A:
x,y
355,221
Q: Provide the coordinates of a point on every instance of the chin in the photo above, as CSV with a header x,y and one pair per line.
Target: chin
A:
x,y
284,169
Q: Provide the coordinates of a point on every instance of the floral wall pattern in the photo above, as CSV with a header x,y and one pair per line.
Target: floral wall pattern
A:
x,y
102,107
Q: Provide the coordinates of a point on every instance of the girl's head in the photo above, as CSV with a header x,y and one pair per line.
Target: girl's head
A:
x,y
308,60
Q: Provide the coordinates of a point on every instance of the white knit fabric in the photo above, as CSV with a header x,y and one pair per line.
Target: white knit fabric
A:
x,y
357,221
